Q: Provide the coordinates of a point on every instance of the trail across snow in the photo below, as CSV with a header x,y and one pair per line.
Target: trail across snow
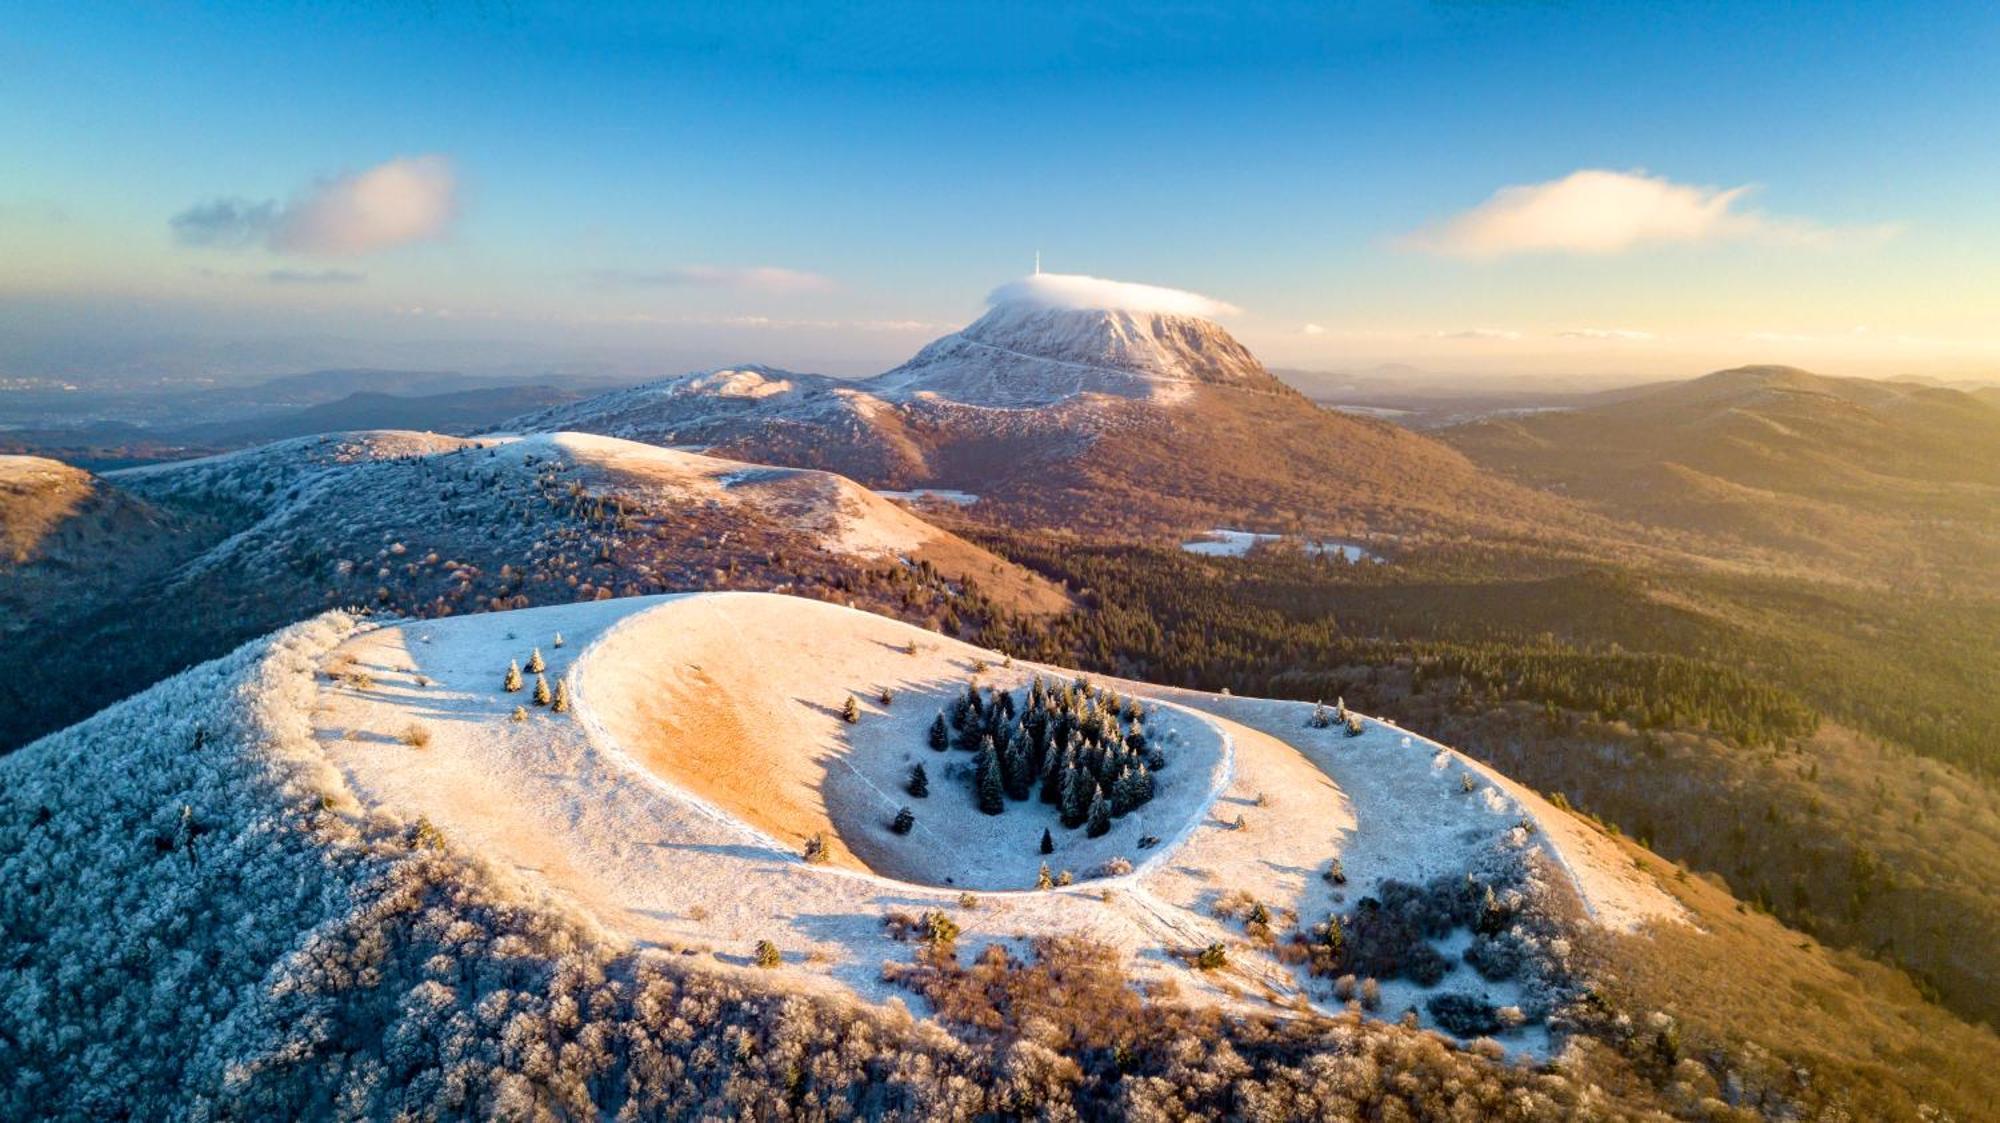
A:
x,y
705,743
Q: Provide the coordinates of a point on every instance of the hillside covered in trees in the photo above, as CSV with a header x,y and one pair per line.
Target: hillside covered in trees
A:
x,y
1824,749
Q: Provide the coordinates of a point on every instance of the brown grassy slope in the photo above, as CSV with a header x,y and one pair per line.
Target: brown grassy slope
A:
x,y
39,498
67,536
1882,477
1828,1028
1861,845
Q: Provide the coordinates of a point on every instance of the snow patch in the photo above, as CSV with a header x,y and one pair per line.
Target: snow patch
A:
x,y
932,494
1237,543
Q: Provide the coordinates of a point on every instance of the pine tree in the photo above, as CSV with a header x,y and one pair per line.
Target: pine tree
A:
x,y
1044,880
1018,779
561,704
905,820
1320,718
992,798
542,695
513,681
940,738
850,710
974,736
1100,817
1048,845
1053,771
920,784
535,664
1075,801
559,639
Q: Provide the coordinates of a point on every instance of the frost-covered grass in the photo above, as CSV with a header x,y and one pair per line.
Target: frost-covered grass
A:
x,y
160,861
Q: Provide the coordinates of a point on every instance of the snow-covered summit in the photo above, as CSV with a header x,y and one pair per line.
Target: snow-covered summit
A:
x,y
1026,352
1046,340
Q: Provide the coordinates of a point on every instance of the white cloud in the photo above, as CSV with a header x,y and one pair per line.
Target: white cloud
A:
x,y
1312,329
1620,335
409,199
412,199
1075,291
1475,333
1595,211
761,278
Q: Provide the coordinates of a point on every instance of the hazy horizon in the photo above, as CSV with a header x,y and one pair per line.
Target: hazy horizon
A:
x,y
1505,190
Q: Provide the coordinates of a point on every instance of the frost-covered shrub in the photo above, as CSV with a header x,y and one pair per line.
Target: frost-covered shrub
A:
x,y
939,928
1464,1015
1496,957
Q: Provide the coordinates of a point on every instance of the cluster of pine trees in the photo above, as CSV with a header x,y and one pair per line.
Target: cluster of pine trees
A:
x,y
1075,746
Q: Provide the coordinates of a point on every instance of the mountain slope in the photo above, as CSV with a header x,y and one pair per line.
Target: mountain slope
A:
x,y
1887,477
1092,417
433,525
48,507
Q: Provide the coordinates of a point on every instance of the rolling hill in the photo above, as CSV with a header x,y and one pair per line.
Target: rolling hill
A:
x,y
1883,478
211,552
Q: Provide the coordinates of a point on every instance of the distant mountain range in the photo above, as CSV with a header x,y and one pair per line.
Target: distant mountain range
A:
x,y
120,427
1887,476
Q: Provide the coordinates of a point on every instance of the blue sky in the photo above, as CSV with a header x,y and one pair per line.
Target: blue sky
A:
x,y
829,186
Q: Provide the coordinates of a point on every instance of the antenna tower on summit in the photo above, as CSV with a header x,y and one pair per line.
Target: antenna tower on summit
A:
x,y
1038,263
